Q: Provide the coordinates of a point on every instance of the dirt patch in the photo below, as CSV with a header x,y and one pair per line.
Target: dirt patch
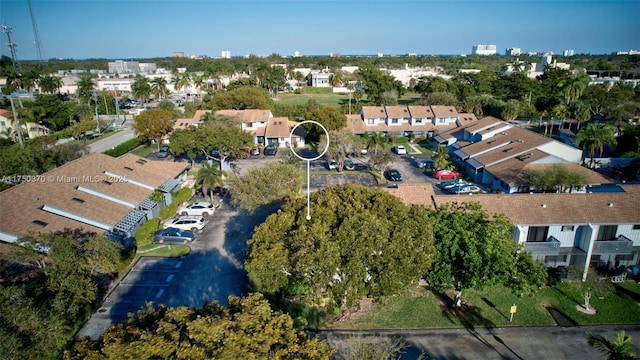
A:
x,y
366,305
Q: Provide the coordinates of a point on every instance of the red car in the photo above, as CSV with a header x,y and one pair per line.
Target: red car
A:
x,y
446,174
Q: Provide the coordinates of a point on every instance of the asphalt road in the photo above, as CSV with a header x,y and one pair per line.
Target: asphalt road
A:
x,y
553,343
126,133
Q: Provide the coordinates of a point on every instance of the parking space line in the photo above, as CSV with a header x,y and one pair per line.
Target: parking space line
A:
x,y
160,292
169,278
178,264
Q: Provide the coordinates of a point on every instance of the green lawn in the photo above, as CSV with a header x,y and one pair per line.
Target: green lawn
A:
x,y
421,308
166,250
145,150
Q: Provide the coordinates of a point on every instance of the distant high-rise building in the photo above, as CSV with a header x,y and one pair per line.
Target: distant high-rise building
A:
x,y
334,54
178,54
630,52
296,53
124,67
225,54
513,51
568,52
380,54
483,50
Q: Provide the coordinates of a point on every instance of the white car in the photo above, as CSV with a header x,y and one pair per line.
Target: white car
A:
x,y
197,208
332,165
465,189
401,150
192,223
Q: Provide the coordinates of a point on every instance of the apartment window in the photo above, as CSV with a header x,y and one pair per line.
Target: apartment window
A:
x,y
441,120
394,121
370,121
607,232
250,124
3,124
537,234
418,121
567,228
625,257
555,258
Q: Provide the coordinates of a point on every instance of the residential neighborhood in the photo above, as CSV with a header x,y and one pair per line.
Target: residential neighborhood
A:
x,y
228,192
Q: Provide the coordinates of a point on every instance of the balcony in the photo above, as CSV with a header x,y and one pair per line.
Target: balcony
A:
x,y
549,247
621,245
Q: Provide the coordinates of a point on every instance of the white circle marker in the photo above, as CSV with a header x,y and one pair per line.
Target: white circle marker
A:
x,y
310,159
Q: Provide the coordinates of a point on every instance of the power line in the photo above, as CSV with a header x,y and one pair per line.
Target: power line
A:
x,y
36,34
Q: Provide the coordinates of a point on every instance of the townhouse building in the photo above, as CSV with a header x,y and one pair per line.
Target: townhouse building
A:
x,y
422,121
600,229
95,193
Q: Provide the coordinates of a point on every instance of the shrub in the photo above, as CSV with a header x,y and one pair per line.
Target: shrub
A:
x,y
182,195
144,235
168,211
123,148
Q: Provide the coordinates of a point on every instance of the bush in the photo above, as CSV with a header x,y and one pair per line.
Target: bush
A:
x,y
168,211
400,140
144,235
182,195
62,134
124,148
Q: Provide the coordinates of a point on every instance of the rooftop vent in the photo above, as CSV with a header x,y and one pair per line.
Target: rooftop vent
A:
x,y
543,205
128,168
610,204
40,223
78,200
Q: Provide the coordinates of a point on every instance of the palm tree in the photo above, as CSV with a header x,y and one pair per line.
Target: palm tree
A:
x,y
620,349
50,84
159,87
441,158
85,89
141,89
337,79
350,91
182,81
573,87
208,176
199,83
358,95
594,137
375,140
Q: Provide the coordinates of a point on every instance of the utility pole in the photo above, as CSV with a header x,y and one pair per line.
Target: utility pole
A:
x,y
14,57
36,34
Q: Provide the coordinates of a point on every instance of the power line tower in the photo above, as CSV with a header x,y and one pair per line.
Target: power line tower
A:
x,y
36,34
12,46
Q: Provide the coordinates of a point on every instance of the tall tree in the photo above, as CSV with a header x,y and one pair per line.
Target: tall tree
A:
x,y
594,137
153,124
572,87
141,89
244,97
357,241
85,89
341,143
378,85
375,140
50,84
258,187
182,81
159,87
208,177
475,250
246,329
441,158
275,80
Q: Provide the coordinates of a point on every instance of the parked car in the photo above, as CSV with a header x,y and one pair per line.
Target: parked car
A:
x,y
185,222
215,153
202,208
452,184
393,175
271,150
174,235
164,151
446,174
332,165
425,164
255,152
465,189
349,165
400,150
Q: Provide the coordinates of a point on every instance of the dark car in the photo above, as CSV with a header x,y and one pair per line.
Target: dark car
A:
x,y
393,175
164,151
174,235
349,165
271,150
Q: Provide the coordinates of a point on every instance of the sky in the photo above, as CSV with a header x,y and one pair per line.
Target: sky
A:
x,y
138,29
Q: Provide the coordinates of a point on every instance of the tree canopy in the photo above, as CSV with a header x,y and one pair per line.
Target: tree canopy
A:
x,y
475,250
153,124
240,98
358,241
381,88
246,329
265,185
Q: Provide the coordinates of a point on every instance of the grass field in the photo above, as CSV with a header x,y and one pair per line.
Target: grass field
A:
x,y
145,150
421,308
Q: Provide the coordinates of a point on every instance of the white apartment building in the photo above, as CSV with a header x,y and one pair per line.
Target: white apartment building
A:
x,y
483,50
514,51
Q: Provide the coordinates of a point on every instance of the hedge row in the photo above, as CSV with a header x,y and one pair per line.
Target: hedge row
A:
x,y
124,148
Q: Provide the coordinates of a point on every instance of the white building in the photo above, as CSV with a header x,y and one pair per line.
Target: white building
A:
x,y
568,52
483,50
513,51
225,54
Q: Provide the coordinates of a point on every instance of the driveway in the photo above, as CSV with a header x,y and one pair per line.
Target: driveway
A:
x,y
212,271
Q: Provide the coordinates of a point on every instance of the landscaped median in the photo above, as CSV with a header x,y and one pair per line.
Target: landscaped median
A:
x,y
420,308
163,250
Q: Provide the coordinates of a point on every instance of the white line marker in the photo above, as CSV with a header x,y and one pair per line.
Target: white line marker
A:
x,y
169,278
178,264
160,292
